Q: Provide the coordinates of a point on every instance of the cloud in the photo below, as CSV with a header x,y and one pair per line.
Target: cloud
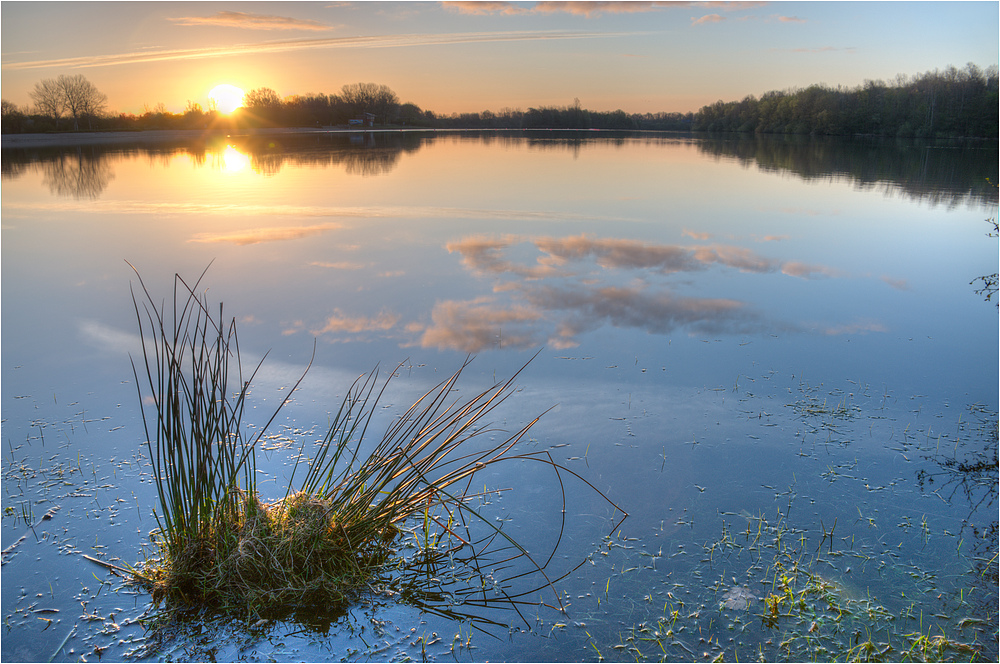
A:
x,y
732,6
587,9
486,7
555,315
550,290
791,19
257,235
376,41
708,18
657,311
898,284
107,338
250,21
697,236
806,271
621,254
338,322
737,257
479,324
553,296
486,255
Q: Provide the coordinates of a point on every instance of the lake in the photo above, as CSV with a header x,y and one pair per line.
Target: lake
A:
x,y
769,352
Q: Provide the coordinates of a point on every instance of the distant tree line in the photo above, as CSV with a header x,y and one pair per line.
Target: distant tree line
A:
x,y
569,117
262,107
950,103
940,104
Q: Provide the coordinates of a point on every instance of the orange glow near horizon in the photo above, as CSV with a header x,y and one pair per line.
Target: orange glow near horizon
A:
x,y
226,98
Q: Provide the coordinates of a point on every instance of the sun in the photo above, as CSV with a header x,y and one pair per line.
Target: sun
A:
x,y
226,98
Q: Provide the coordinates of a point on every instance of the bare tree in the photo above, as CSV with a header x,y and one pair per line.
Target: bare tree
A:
x,y
379,100
81,98
8,108
48,99
261,98
12,118
263,106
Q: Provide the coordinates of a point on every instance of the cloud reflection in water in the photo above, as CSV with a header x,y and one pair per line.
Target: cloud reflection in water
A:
x,y
572,285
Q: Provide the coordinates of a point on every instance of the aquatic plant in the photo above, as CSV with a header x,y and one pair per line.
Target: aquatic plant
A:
x,y
809,609
327,541
989,281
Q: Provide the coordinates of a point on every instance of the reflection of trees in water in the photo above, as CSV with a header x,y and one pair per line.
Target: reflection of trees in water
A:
x,y
11,169
86,171
358,154
935,172
77,174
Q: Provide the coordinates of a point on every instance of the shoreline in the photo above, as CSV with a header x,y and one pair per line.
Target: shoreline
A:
x,y
70,139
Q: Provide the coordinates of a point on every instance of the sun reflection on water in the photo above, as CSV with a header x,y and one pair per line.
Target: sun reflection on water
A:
x,y
234,161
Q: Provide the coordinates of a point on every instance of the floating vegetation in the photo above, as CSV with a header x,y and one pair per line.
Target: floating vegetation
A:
x,y
837,590
339,532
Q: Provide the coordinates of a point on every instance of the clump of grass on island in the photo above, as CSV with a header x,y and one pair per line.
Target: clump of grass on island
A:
x,y
324,542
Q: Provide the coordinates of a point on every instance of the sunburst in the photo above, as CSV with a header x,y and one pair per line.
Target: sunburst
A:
x,y
226,98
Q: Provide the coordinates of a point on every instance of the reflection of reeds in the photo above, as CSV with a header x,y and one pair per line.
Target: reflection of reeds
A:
x,y
327,539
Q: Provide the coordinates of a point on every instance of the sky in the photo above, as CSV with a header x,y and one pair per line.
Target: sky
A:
x,y
458,57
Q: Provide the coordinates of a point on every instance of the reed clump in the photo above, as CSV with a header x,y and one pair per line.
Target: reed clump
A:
x,y
289,553
324,542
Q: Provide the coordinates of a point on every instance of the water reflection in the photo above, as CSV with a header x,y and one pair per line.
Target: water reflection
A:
x,y
232,160
504,241
936,172
579,283
363,155
75,173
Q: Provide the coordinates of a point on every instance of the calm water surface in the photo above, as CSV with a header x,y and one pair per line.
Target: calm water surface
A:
x,y
744,341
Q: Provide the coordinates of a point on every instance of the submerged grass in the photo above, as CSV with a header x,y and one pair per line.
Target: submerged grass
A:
x,y
324,543
805,611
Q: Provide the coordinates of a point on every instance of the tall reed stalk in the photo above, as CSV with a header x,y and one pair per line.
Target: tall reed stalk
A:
x,y
202,463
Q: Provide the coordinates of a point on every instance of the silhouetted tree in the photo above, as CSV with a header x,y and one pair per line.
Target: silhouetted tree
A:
x,y
261,98
81,98
379,100
261,106
12,118
306,110
410,114
48,99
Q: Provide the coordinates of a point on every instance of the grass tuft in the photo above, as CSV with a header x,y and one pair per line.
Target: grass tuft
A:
x,y
329,538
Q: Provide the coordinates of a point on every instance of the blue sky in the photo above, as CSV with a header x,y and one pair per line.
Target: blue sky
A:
x,y
473,56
